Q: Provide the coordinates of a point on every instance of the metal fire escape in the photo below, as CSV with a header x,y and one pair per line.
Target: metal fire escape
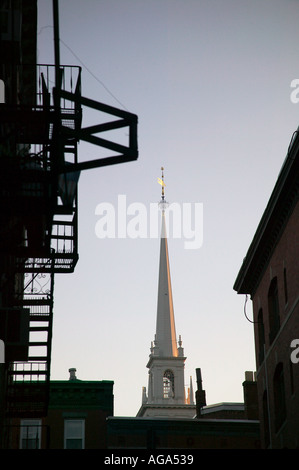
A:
x,y
38,198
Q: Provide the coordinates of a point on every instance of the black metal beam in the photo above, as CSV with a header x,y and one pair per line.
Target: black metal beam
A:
x,y
114,160
107,126
97,105
92,139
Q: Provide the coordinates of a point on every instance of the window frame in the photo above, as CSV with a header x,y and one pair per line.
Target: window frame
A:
x,y
25,425
67,437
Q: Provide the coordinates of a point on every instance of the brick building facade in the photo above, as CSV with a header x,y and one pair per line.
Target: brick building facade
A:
x,y
76,418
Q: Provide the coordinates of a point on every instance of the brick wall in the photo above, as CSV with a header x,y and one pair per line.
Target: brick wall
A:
x,y
285,266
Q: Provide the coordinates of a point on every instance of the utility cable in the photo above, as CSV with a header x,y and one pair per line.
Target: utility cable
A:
x,y
88,70
251,321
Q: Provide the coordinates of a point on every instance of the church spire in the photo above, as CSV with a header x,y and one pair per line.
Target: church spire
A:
x,y
165,339
166,385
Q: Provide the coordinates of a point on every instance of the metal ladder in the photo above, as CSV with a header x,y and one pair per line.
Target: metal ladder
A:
x,y
28,381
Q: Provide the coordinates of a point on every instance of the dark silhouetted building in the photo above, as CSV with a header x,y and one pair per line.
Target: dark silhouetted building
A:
x,y
76,418
270,275
41,123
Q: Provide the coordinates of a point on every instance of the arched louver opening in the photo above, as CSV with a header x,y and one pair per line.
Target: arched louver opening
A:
x,y
168,384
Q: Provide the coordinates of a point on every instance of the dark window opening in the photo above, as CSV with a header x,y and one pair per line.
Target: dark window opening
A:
x,y
168,384
285,285
279,396
261,336
266,420
292,377
273,309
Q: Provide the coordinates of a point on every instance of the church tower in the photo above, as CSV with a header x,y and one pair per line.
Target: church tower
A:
x,y
166,395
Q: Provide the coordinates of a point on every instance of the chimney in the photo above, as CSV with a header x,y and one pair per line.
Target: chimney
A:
x,y
200,394
72,372
250,396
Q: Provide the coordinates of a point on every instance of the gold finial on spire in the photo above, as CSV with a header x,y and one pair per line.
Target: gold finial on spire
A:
x,y
161,181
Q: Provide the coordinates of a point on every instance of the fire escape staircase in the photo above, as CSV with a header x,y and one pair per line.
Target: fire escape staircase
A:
x,y
40,188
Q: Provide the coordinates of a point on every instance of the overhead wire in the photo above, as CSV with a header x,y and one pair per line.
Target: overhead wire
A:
x,y
251,321
87,68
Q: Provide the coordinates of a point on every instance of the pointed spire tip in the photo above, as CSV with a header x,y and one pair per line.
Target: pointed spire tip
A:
x,y
163,203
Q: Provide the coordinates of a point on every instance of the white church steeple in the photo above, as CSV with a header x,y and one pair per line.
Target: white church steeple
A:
x,y
166,389
165,339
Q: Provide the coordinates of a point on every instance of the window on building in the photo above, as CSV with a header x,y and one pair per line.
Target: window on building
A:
x,y
2,91
292,377
273,309
266,420
74,434
285,284
261,336
279,396
168,384
30,435
4,21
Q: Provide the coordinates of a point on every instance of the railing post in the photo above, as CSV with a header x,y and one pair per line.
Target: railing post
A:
x,y
56,42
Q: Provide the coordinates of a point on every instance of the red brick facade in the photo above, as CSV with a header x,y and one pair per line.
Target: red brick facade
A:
x,y
284,267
